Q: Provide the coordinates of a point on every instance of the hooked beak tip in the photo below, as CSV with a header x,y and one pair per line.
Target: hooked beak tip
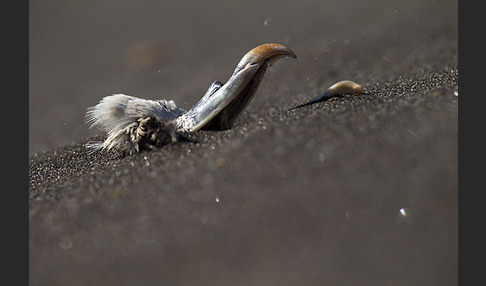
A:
x,y
267,51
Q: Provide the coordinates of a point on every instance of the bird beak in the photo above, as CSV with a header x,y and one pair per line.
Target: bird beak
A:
x,y
222,103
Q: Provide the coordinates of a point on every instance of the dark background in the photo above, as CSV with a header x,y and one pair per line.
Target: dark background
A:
x,y
307,197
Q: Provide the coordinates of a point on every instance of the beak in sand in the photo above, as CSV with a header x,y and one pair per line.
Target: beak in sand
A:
x,y
335,90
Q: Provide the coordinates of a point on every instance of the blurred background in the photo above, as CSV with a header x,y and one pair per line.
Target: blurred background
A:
x,y
80,51
357,191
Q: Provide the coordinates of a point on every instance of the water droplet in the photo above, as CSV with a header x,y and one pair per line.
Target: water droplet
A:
x,y
65,243
403,212
405,216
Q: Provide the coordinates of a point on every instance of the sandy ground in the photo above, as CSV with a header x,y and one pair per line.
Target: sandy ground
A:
x,y
360,190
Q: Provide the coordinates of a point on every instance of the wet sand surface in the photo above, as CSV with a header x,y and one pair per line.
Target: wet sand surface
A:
x,y
358,190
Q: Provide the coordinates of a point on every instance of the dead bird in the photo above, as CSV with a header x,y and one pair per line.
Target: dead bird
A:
x,y
336,90
140,124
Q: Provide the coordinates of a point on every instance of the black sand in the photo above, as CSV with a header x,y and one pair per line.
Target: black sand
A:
x,y
358,190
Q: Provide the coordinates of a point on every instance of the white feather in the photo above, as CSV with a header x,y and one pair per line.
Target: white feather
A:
x,y
117,115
